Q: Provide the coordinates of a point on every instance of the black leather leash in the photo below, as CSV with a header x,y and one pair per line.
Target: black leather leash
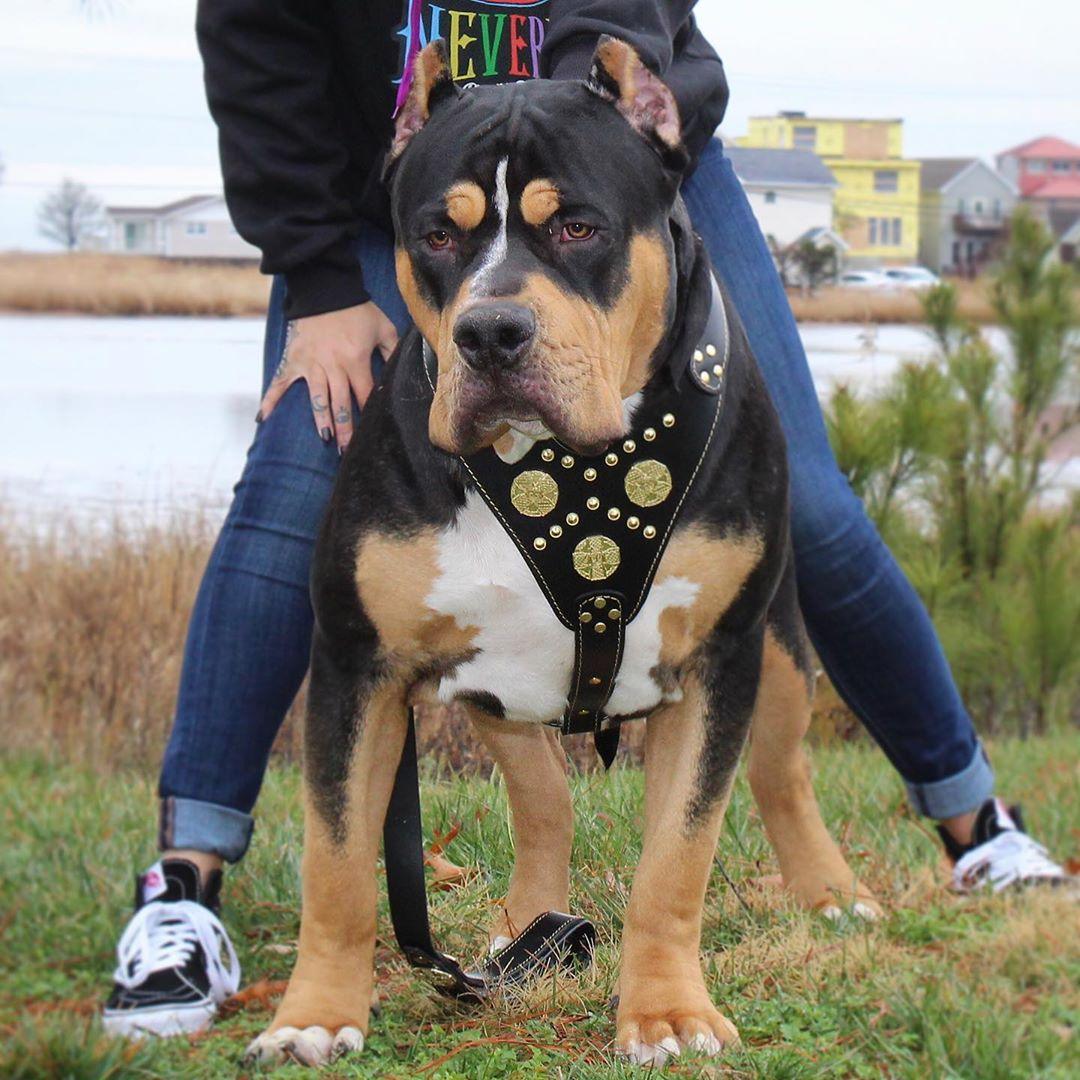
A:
x,y
551,939
592,531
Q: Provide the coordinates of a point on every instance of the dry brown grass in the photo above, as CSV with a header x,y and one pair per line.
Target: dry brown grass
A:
x,y
98,284
838,305
93,617
101,284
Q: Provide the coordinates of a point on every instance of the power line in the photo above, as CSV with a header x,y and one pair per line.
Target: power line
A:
x,y
75,110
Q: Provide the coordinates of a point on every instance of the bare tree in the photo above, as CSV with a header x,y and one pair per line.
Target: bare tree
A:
x,y
70,214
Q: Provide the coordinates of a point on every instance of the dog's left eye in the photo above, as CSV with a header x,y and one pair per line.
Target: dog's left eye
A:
x,y
438,240
577,230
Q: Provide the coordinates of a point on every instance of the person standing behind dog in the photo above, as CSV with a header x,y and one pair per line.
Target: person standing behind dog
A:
x,y
304,95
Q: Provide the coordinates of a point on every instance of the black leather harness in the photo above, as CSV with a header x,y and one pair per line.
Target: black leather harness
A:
x,y
592,531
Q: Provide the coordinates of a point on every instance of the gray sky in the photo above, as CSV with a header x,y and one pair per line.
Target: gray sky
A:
x,y
116,100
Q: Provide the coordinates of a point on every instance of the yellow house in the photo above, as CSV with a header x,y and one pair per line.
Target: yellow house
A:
x,y
877,202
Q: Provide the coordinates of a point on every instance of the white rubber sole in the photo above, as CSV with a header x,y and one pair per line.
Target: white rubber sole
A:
x,y
163,1022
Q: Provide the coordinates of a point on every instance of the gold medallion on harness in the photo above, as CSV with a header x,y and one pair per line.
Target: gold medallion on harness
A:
x,y
596,558
648,483
534,493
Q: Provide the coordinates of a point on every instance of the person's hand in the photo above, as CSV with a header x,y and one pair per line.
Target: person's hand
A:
x,y
332,353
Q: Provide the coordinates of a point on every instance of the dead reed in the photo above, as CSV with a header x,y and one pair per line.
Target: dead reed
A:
x,y
93,616
842,305
93,283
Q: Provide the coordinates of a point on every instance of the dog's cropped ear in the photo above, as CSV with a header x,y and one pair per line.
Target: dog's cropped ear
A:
x,y
430,84
618,74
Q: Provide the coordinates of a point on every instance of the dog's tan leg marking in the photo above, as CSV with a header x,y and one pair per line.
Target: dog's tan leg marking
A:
x,y
812,866
664,1005
330,990
533,765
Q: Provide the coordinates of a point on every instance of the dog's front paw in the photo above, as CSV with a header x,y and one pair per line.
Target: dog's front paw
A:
x,y
654,1027
307,1046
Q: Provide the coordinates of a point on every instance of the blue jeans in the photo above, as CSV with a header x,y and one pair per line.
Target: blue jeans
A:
x,y
250,632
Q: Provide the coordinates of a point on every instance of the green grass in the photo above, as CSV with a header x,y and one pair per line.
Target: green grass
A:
x,y
943,987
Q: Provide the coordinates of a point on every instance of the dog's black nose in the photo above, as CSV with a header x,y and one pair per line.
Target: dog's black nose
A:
x,y
494,337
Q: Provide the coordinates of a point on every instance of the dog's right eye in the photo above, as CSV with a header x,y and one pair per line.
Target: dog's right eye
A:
x,y
439,240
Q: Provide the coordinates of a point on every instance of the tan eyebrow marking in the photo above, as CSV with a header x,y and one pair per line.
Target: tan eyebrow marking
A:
x,y
539,201
466,204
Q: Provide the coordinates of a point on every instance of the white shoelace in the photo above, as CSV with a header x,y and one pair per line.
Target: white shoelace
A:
x,y
1010,857
164,935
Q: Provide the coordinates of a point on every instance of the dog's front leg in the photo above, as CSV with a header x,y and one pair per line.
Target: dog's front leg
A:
x,y
533,764
352,748
691,752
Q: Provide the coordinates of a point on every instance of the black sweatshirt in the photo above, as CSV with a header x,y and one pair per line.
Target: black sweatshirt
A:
x,y
304,93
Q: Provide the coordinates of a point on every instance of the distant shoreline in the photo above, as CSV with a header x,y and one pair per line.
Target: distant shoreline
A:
x,y
93,283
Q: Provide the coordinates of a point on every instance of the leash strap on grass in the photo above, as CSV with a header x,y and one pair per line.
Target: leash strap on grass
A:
x,y
552,939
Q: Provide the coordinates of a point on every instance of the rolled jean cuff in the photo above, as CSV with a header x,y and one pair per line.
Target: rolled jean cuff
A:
x,y
959,794
204,826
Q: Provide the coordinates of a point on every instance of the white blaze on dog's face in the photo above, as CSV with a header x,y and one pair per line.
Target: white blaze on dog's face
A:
x,y
533,245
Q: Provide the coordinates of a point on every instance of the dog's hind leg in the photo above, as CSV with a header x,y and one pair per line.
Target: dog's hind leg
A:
x,y
533,765
353,740
811,863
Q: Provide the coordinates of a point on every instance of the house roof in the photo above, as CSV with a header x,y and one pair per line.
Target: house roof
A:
x,y
813,118
1056,187
1063,221
1042,147
165,210
821,235
779,167
937,172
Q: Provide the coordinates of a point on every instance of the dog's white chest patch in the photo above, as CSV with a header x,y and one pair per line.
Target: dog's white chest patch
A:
x,y
525,656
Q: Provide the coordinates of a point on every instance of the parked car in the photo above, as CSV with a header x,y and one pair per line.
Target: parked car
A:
x,y
864,279
912,277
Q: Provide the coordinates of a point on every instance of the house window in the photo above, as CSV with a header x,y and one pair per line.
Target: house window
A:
x,y
804,137
886,181
1061,166
195,228
997,209
873,232
131,236
770,197
1036,165
897,232
979,207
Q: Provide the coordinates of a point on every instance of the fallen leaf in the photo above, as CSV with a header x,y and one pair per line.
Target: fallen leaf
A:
x,y
257,995
445,874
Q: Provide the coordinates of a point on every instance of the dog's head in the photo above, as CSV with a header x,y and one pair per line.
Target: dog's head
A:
x,y
533,244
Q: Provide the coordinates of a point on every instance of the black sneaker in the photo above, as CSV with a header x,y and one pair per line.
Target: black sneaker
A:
x,y
1001,854
176,964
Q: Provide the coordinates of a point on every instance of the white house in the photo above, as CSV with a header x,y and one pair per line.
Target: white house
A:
x,y
197,227
790,191
964,213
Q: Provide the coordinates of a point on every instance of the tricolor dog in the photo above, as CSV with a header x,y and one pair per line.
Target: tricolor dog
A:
x,y
566,506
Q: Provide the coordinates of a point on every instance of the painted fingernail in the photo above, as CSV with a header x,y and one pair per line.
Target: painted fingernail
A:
x,y
326,434
259,417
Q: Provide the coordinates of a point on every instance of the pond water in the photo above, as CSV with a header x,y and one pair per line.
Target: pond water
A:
x,y
152,416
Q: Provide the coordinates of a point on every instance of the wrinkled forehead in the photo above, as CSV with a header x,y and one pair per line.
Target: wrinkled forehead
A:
x,y
545,145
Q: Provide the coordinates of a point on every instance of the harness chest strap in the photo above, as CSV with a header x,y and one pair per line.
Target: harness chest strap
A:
x,y
593,529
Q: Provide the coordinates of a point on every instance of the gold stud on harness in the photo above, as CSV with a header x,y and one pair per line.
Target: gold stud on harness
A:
x,y
596,558
534,493
648,483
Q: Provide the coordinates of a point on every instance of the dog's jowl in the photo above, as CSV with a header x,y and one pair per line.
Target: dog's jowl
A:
x,y
568,499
